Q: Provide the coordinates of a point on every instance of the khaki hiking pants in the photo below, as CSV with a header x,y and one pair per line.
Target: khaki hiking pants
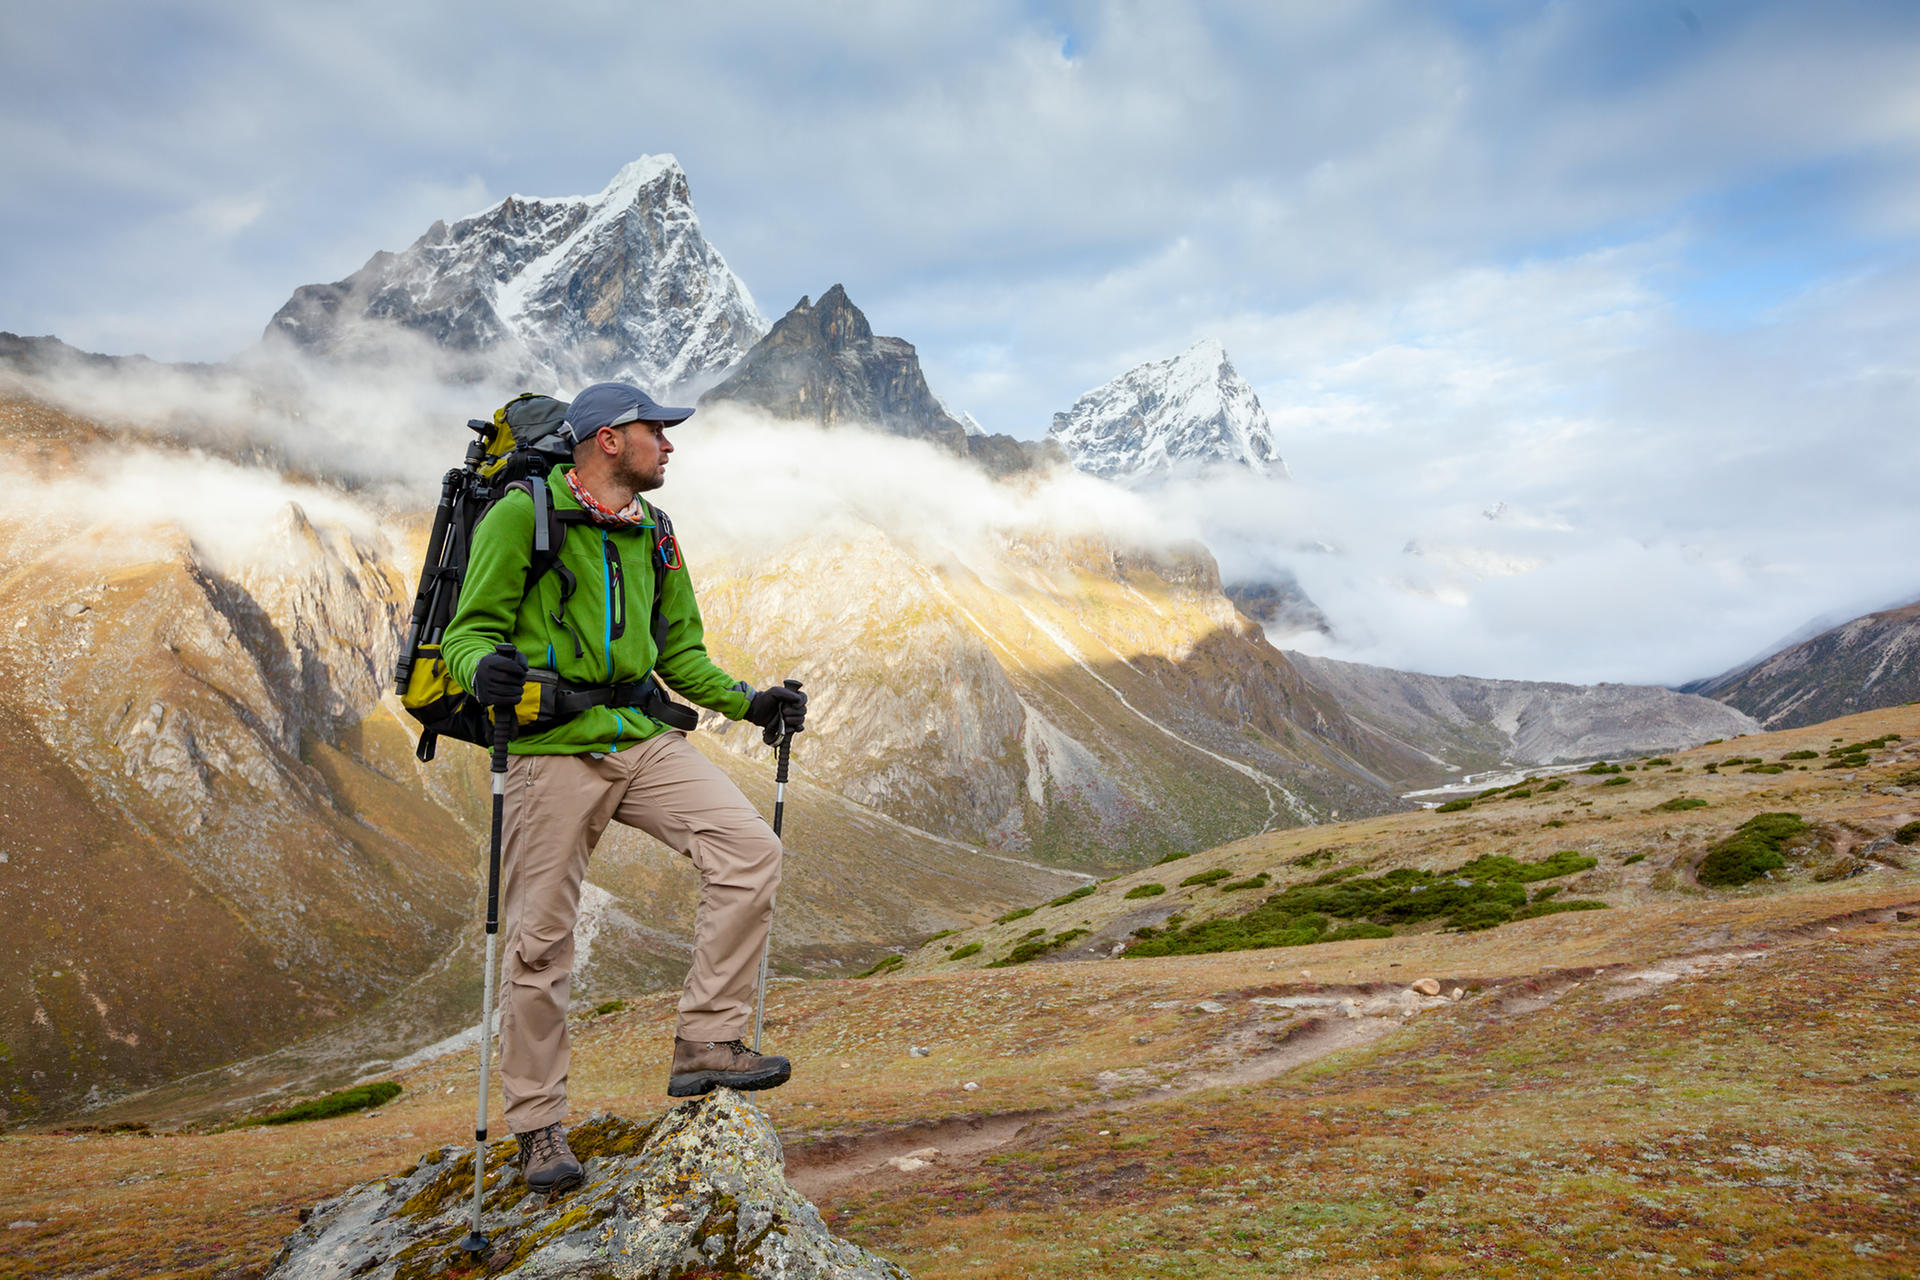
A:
x,y
556,808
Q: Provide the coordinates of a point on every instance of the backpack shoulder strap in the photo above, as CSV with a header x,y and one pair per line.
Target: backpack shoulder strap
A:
x,y
549,532
666,558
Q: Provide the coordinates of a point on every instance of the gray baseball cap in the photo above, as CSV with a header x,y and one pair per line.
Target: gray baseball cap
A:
x,y
614,404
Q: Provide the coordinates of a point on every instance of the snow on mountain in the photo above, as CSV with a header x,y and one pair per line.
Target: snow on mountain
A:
x,y
566,290
1191,411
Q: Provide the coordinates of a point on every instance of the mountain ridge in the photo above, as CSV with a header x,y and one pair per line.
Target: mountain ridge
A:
x,y
821,362
1862,664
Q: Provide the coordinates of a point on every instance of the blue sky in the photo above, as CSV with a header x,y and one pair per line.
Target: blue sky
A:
x,y
1642,271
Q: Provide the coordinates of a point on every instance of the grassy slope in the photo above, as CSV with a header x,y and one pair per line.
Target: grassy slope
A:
x,y
1749,1113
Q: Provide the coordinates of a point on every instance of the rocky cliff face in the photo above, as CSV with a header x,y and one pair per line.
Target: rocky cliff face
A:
x,y
556,292
1187,413
211,875
1425,730
1872,661
822,363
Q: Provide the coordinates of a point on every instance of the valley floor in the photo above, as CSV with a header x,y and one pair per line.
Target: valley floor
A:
x,y
1692,1082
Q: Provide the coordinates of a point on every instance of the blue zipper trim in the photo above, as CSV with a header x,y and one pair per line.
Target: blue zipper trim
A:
x,y
606,574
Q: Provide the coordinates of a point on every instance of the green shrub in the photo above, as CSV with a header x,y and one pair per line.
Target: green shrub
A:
x,y
606,1007
1650,761
1601,767
1144,891
1480,894
1324,854
1075,896
1751,851
1541,895
1632,858
1617,782
885,964
1909,834
1032,933
1011,916
1713,742
1173,857
944,933
1030,950
361,1097
1554,822
1801,755
1533,909
1861,748
1766,768
1358,929
1206,877
1251,882
1679,804
1521,794
961,953
1338,874
1550,787
1454,806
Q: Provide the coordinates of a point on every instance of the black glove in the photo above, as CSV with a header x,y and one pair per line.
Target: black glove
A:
x,y
778,710
499,679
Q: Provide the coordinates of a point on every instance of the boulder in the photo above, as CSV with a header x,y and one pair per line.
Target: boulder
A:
x,y
1426,987
700,1191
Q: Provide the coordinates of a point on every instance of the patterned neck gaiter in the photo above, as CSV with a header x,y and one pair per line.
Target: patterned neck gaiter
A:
x,y
631,516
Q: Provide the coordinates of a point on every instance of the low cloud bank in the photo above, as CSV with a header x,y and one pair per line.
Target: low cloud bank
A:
x,y
1532,548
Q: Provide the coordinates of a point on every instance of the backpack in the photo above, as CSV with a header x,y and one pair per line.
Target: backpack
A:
x,y
516,450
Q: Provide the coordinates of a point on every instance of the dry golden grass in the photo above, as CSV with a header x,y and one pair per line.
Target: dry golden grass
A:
x,y
1748,1111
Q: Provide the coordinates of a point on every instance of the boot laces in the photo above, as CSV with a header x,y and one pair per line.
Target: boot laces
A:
x,y
544,1144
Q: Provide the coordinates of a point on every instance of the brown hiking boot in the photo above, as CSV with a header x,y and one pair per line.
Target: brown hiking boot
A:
x,y
701,1066
547,1162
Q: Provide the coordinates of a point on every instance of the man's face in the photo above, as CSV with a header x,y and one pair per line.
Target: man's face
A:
x,y
642,461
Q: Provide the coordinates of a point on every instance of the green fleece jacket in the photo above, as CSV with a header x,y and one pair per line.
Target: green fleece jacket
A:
x,y
599,636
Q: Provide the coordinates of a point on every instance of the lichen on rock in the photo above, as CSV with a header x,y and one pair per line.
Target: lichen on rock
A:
x,y
699,1192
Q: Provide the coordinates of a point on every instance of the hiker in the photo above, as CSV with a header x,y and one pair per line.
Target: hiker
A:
x,y
587,621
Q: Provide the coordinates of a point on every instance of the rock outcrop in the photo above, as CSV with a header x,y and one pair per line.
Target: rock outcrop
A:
x,y
699,1192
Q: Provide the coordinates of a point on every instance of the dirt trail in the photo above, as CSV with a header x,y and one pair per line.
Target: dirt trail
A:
x,y
1336,1019
830,1163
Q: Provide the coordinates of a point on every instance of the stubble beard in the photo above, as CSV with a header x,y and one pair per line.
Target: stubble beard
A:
x,y
639,481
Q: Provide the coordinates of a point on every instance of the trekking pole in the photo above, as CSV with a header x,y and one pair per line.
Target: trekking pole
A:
x,y
502,731
784,741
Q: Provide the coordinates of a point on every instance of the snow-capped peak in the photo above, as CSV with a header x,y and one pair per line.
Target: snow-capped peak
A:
x,y
562,290
1188,412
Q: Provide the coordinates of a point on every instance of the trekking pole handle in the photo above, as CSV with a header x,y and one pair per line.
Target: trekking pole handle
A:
x,y
503,720
784,743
